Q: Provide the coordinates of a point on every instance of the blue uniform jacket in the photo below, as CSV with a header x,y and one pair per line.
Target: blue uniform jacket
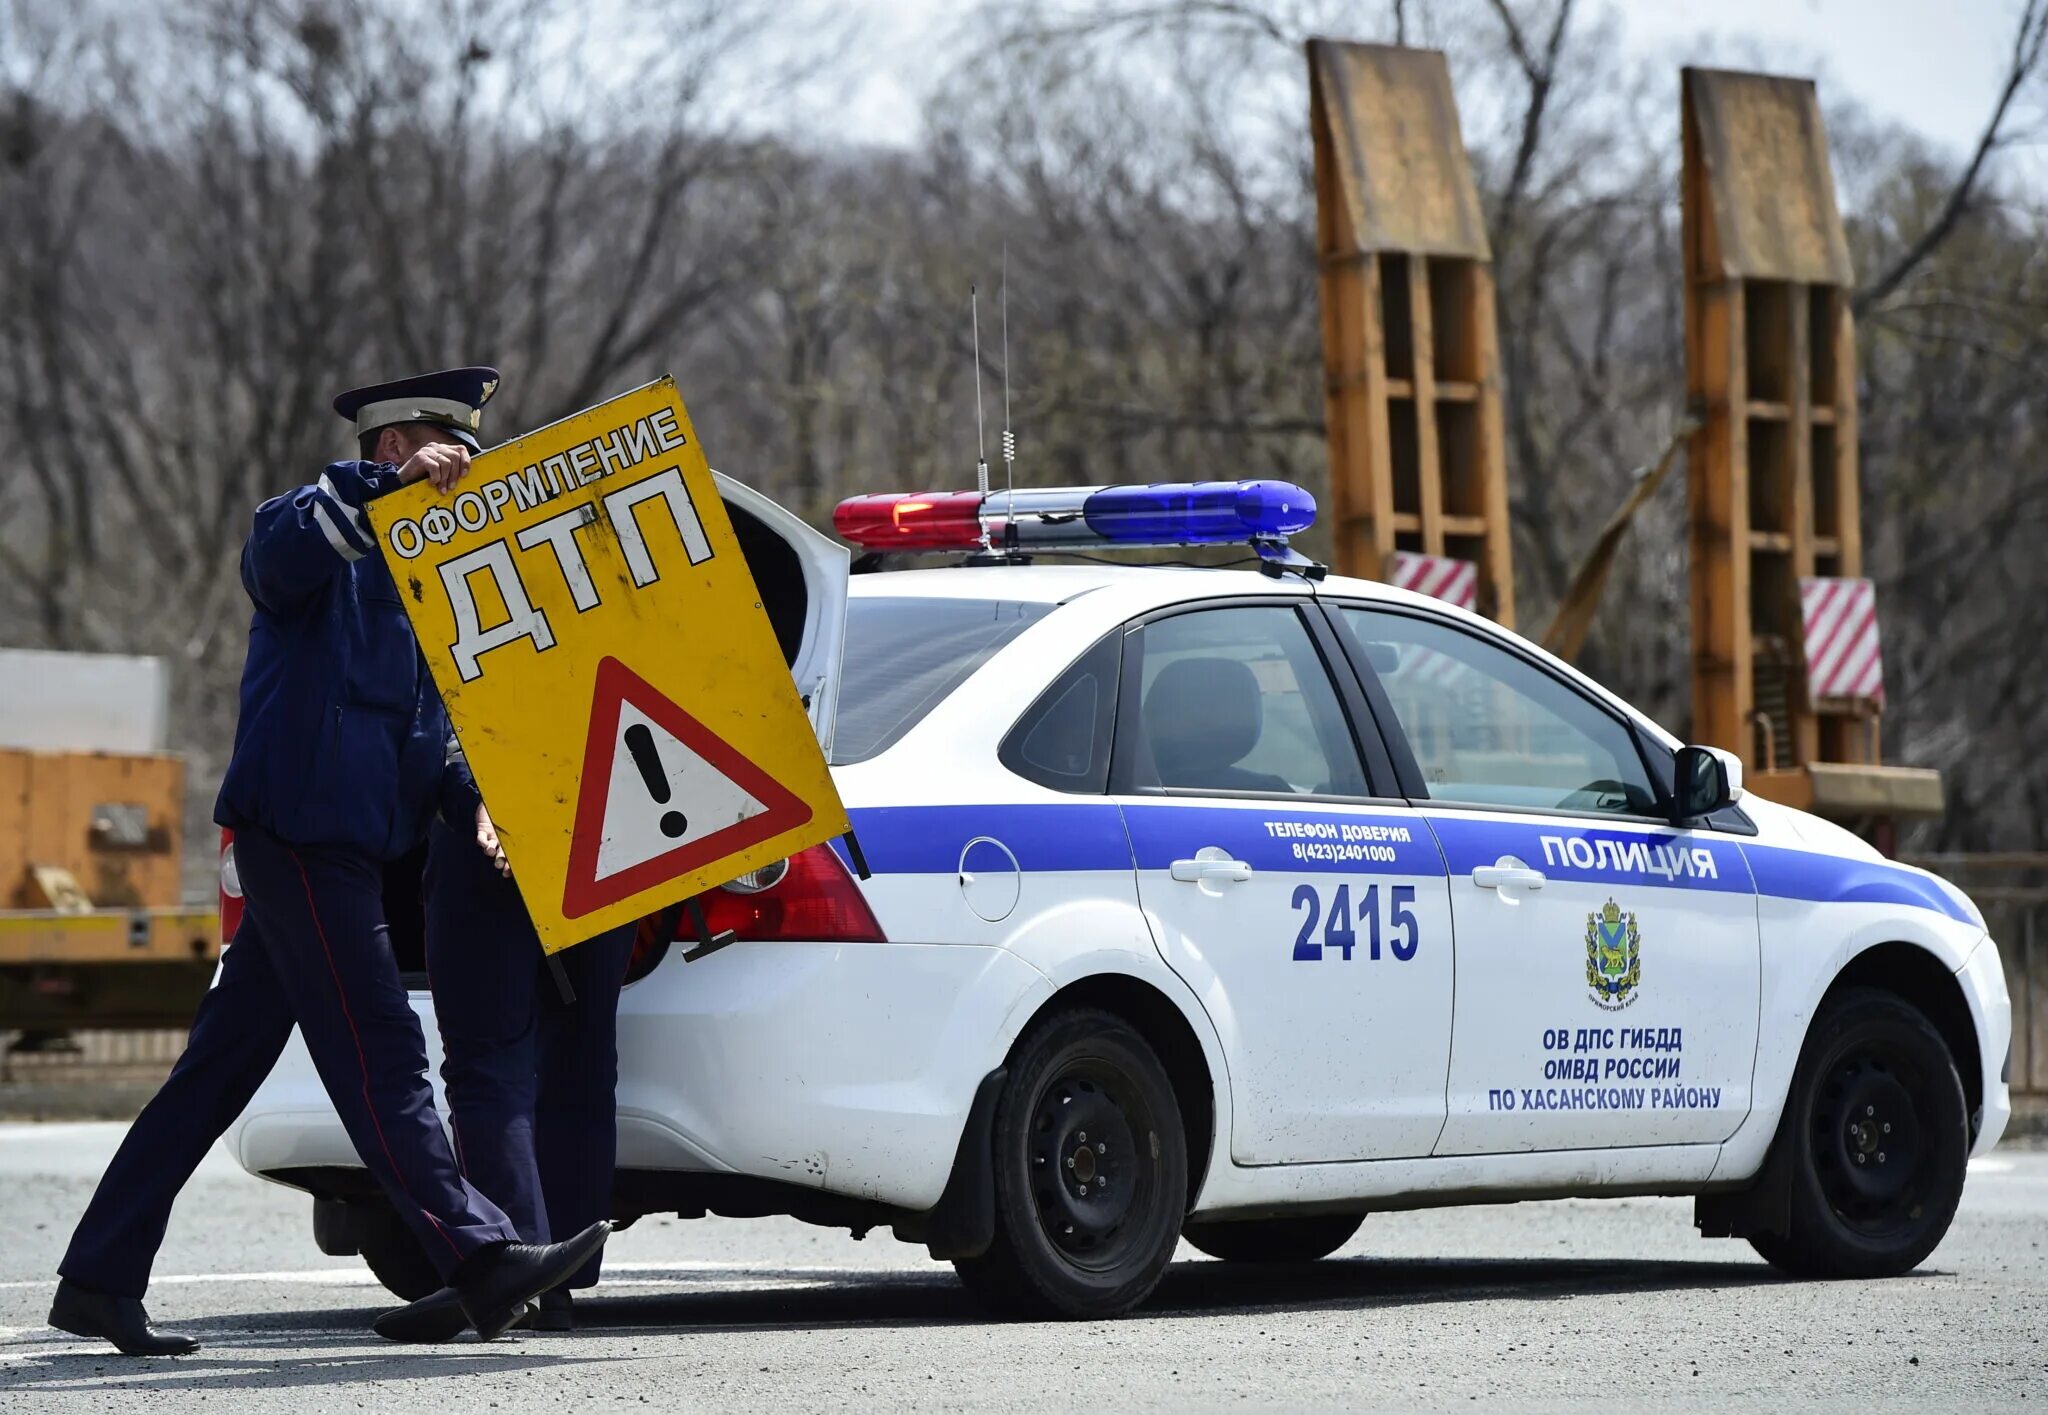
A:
x,y
342,737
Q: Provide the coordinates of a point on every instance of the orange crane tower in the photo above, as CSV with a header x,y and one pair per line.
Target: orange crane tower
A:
x,y
1413,401
1410,349
1770,357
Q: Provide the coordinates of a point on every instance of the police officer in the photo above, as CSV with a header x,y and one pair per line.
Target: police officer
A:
x,y
337,766
530,1054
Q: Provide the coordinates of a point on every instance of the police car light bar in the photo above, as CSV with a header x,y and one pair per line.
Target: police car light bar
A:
x,y
1261,513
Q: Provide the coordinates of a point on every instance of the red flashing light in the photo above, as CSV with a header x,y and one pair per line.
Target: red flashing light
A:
x,y
815,902
933,520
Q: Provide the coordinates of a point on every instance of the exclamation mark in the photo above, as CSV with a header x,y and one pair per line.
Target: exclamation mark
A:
x,y
640,742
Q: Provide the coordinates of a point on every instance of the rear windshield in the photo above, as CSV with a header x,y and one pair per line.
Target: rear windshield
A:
x,y
904,655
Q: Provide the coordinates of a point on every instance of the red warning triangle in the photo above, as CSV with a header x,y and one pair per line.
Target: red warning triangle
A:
x,y
662,795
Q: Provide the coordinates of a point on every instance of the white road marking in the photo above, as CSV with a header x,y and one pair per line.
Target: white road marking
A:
x,y
347,1277
1990,1165
363,1277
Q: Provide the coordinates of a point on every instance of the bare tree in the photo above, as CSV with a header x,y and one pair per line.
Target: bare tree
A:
x,y
213,216
2025,62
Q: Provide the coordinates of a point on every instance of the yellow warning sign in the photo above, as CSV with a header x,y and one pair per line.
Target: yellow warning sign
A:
x,y
613,679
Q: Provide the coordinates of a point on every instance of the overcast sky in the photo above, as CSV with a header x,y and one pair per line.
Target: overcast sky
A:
x,y
1933,65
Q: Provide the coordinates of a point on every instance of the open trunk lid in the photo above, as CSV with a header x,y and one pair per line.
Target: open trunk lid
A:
x,y
802,576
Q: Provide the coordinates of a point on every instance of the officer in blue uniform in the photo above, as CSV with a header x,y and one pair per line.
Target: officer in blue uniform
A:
x,y
530,1056
338,765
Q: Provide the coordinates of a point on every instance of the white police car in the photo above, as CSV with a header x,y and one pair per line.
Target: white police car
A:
x,y
1238,905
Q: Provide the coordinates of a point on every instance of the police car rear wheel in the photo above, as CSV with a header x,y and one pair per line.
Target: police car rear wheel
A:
x,y
392,1253
1275,1240
1880,1142
1090,1172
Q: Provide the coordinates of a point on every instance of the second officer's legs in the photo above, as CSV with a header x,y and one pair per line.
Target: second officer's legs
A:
x,y
576,1132
322,920
530,1078
483,960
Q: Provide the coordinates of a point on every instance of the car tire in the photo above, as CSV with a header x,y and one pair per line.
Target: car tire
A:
x,y
393,1253
1877,1139
1084,1226
1274,1240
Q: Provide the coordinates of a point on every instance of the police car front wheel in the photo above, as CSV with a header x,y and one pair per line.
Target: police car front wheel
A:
x,y
1877,1139
1275,1240
1090,1172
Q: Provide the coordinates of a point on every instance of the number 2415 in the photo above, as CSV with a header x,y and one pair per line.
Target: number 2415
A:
x,y
1404,935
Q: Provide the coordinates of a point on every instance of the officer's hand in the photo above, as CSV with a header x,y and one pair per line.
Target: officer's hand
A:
x,y
487,841
442,463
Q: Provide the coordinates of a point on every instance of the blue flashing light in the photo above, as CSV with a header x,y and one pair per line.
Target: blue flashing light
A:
x,y
1198,513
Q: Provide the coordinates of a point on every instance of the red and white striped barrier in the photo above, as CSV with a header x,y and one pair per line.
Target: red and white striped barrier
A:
x,y
1439,576
1843,659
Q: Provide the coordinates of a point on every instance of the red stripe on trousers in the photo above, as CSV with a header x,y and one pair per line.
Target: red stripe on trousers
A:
x,y
362,1062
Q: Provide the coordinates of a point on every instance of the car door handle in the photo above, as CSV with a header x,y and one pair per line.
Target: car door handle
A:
x,y
1210,871
1494,876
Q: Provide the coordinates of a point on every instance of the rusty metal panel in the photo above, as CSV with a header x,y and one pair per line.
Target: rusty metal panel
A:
x,y
1769,186
1399,154
114,821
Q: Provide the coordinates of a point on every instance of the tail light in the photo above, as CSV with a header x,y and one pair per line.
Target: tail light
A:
x,y
813,900
230,890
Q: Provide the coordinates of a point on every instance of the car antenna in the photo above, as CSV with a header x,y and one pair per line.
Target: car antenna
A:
x,y
1009,438
980,432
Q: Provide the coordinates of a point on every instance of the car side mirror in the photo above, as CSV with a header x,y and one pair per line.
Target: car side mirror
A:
x,y
1733,766
1707,782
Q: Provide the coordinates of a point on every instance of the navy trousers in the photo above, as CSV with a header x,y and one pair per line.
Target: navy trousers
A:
x,y
531,1078
311,950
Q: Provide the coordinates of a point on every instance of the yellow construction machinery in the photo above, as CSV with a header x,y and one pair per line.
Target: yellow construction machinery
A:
x,y
92,931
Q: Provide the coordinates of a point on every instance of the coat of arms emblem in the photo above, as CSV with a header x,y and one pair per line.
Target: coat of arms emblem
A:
x,y
1614,957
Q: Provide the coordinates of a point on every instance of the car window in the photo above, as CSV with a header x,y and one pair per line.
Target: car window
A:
x,y
1238,699
1488,727
904,655
1062,740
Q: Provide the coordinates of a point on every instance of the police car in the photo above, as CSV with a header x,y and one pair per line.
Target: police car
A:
x,y
1236,905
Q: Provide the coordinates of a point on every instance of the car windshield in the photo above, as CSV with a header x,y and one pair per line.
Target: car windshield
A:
x,y
904,655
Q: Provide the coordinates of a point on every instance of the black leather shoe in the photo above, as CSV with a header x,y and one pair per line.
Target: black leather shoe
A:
x,y
557,1312
121,1320
496,1283
436,1317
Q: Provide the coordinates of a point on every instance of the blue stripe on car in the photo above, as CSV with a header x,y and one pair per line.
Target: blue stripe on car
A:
x,y
1090,835
1832,879
927,840
1474,840
1286,839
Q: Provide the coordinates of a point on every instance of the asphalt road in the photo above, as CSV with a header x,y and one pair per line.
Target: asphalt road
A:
x,y
1613,1304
